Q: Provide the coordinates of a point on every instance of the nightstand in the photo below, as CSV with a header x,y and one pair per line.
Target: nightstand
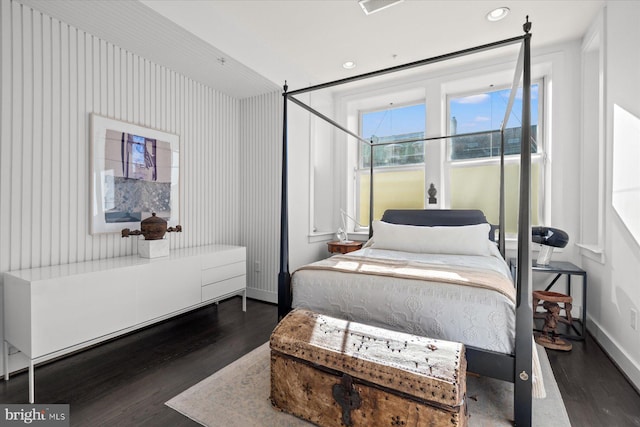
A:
x,y
560,268
343,247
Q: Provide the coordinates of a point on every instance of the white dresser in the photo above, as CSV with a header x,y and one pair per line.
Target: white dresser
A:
x,y
52,311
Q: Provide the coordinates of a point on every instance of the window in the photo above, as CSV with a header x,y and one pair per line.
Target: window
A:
x,y
593,147
465,169
399,165
474,168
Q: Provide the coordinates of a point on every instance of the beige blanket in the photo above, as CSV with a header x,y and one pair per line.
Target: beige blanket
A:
x,y
487,279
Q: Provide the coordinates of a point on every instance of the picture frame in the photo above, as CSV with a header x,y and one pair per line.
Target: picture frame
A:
x,y
135,171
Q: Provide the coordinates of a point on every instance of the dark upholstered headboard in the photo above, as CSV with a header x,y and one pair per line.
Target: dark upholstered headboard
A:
x,y
437,217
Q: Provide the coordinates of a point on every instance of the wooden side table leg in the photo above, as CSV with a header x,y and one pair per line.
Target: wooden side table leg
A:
x,y
567,311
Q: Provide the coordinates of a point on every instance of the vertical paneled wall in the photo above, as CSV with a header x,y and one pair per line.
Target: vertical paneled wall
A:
x,y
53,76
261,153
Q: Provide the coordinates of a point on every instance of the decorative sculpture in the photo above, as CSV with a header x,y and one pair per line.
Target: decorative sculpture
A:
x,y
152,228
432,194
551,301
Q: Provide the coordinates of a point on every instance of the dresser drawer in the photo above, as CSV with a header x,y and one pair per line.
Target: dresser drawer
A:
x,y
216,290
221,258
213,275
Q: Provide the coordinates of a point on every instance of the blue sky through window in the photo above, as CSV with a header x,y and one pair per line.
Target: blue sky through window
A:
x,y
485,111
474,113
394,121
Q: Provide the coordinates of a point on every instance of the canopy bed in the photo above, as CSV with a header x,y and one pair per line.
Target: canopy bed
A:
x,y
508,355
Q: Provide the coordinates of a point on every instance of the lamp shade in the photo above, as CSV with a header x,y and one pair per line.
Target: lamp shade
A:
x,y
549,236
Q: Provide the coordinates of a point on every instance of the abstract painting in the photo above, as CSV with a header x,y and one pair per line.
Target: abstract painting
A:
x,y
135,171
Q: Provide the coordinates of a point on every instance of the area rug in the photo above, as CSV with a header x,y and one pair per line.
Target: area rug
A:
x,y
238,395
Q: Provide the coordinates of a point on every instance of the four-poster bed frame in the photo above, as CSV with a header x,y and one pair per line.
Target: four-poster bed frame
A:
x,y
516,367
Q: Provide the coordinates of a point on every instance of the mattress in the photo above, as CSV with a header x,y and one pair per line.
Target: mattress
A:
x,y
475,316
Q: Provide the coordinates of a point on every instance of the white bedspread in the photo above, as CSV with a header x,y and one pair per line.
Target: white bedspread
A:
x,y
474,316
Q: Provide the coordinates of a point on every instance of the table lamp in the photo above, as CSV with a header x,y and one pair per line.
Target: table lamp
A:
x,y
549,238
342,231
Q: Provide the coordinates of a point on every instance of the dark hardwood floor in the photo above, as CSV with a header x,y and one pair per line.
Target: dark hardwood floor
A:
x,y
125,382
594,391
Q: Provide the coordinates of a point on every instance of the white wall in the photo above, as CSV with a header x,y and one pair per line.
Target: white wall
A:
x,y
261,154
52,77
302,248
614,288
260,181
261,151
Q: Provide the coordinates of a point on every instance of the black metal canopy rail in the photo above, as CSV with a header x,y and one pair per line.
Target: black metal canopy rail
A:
x,y
516,368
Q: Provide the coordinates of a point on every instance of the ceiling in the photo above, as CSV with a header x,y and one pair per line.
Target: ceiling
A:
x,y
264,42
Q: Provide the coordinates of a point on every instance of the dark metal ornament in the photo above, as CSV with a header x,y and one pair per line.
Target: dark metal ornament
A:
x,y
527,26
152,228
347,397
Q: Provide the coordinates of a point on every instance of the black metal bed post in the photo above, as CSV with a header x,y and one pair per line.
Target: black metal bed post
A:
x,y
284,278
524,317
409,65
371,190
501,215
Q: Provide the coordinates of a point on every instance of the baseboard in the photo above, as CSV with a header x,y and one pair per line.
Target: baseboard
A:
x,y
629,368
261,295
18,363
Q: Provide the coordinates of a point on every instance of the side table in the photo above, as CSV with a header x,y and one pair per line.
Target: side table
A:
x,y
560,268
343,247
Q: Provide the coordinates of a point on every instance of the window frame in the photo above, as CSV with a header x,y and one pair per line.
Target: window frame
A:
x,y
359,169
541,156
433,91
541,118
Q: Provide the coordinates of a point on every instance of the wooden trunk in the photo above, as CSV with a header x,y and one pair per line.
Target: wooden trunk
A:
x,y
334,372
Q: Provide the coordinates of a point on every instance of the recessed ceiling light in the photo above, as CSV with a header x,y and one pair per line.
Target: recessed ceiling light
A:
x,y
372,6
498,14
349,65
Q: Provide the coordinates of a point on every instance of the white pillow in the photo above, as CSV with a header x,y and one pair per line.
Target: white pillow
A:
x,y
461,240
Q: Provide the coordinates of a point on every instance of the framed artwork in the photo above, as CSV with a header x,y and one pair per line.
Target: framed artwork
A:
x,y
135,171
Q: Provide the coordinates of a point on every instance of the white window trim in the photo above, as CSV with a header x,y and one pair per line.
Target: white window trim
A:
x,y
542,156
360,170
594,42
433,88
